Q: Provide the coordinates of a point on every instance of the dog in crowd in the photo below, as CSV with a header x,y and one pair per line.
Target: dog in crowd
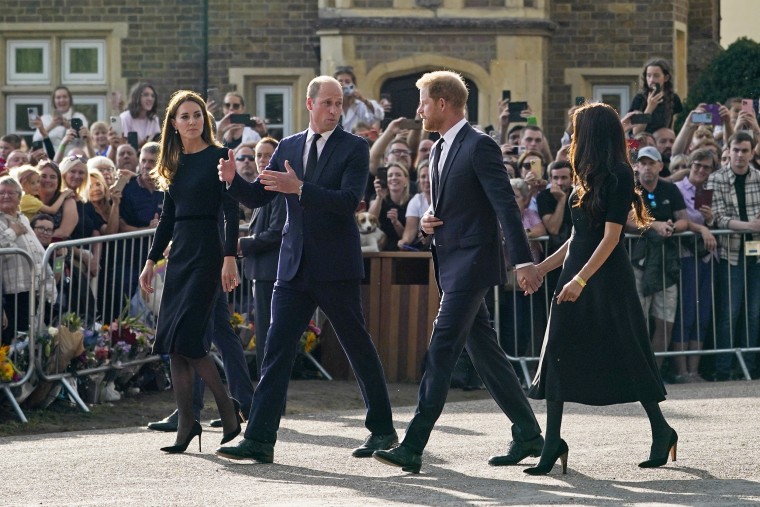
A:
x,y
372,238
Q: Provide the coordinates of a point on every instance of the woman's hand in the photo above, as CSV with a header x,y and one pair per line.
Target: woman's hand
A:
x,y
115,197
18,228
70,135
707,213
380,191
229,274
653,100
570,292
393,216
146,277
710,242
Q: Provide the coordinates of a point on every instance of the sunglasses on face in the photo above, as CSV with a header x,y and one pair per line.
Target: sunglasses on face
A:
x,y
240,158
231,105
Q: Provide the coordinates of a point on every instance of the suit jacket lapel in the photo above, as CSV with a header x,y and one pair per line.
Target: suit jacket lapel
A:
x,y
297,162
330,145
254,216
453,150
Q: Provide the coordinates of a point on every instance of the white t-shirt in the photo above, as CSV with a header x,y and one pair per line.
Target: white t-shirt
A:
x,y
57,133
145,128
417,206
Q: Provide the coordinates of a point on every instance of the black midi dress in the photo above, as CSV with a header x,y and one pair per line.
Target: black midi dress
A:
x,y
190,219
596,350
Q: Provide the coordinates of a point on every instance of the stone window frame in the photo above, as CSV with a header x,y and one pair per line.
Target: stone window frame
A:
x,y
37,78
68,77
582,81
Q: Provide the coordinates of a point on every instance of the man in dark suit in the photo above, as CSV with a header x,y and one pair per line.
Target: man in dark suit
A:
x,y
261,250
471,199
322,173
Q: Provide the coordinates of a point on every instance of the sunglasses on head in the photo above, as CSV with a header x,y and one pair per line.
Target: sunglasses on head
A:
x,y
240,158
81,158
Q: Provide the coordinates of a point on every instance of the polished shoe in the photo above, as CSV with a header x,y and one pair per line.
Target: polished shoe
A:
x,y
217,423
375,443
228,437
518,451
248,449
544,467
196,430
400,456
658,455
168,424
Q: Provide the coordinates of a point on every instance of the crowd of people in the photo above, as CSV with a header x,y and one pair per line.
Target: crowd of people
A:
x,y
81,180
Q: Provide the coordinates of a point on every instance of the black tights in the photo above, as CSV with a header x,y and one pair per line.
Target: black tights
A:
x,y
554,411
183,376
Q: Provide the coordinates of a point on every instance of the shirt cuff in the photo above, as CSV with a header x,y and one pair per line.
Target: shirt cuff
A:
x,y
523,265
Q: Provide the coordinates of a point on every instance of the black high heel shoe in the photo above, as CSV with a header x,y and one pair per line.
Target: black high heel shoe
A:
x,y
196,430
544,468
238,417
654,460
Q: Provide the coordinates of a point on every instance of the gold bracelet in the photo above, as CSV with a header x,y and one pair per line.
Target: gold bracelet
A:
x,y
580,281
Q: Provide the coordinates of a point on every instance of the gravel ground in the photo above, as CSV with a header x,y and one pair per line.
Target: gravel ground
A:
x,y
718,460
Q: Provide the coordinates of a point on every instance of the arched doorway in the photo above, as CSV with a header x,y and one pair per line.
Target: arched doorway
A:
x,y
405,97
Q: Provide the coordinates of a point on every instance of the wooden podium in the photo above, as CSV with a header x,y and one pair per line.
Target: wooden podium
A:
x,y
400,301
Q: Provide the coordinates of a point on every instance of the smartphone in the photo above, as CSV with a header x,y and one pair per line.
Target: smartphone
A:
x,y
241,118
506,95
714,110
657,87
515,111
121,183
537,169
116,126
748,106
579,101
76,124
409,248
703,198
132,140
213,94
532,120
32,115
410,124
382,176
641,119
36,145
704,118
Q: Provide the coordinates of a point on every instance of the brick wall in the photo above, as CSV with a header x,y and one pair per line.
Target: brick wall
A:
x,y
704,35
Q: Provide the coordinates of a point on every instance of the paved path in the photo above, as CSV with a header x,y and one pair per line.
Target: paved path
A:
x,y
718,461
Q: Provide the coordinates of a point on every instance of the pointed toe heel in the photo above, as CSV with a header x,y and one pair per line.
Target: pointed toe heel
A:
x,y
658,456
195,431
228,437
545,466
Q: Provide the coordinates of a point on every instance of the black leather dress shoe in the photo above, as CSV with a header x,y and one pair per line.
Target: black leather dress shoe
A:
x,y
518,451
400,456
375,443
248,449
168,424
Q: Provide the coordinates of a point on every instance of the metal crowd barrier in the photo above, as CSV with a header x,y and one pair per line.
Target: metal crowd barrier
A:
x,y
537,307
22,341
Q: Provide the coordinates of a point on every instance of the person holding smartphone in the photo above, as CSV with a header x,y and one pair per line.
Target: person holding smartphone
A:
x,y
694,312
657,96
58,122
231,130
356,107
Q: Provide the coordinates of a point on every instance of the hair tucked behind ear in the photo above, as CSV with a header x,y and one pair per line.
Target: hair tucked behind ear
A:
x,y
598,146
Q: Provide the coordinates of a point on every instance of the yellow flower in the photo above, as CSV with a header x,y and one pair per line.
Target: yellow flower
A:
x,y
251,343
4,352
6,372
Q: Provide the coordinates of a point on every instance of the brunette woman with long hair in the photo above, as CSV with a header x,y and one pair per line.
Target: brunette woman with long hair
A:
x,y
597,349
657,96
193,200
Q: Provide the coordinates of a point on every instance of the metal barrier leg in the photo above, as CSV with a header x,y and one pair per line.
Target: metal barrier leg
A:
x,y
526,373
317,365
14,404
218,360
74,395
743,365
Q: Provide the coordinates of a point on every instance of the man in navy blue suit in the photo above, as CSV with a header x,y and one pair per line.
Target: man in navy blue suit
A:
x,y
322,173
473,218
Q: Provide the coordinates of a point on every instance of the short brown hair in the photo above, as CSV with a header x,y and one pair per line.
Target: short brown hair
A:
x,y
446,85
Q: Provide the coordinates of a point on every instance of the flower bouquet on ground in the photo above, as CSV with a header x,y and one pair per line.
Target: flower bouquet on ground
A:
x,y
8,371
131,339
305,366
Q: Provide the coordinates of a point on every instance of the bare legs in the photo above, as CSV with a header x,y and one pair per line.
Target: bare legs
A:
x,y
183,370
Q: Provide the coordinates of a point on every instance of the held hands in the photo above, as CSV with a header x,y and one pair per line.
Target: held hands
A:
x,y
529,278
229,274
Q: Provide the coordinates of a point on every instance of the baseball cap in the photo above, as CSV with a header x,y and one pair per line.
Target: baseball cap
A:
x,y
649,152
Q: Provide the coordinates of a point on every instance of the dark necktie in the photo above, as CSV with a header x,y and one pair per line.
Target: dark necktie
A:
x,y
436,176
311,160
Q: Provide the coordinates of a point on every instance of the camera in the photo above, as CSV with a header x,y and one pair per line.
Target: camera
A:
x,y
348,89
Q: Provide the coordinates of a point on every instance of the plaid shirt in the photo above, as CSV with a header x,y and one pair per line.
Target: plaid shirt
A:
x,y
726,207
17,276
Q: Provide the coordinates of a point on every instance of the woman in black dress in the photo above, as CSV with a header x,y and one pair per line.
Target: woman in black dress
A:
x,y
193,199
597,349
